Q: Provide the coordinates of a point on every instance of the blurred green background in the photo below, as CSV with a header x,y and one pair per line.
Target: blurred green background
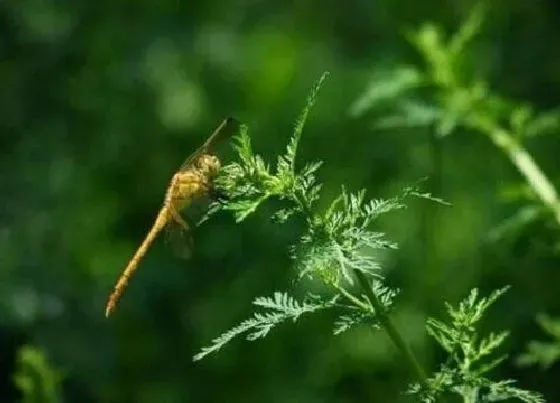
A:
x,y
100,102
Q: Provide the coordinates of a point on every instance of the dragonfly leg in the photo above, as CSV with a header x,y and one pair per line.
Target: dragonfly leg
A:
x,y
178,219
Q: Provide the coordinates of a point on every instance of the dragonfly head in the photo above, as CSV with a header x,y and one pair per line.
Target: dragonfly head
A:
x,y
208,165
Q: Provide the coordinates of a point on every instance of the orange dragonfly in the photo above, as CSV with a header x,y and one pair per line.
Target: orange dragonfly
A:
x,y
192,181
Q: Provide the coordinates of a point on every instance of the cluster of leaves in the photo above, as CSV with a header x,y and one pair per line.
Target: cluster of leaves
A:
x,y
469,357
336,243
337,248
450,91
35,377
460,98
446,94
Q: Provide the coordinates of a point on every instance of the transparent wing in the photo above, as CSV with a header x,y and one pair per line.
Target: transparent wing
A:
x,y
179,235
226,129
180,240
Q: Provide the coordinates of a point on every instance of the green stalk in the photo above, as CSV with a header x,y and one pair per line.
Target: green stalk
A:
x,y
470,395
524,162
350,297
391,329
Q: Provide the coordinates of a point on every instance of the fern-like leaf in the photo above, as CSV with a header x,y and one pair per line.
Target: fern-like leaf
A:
x,y
278,309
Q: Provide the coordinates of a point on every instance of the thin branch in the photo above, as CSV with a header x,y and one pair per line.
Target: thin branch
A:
x,y
391,329
524,162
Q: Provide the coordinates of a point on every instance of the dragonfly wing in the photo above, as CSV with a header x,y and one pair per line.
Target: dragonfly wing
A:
x,y
179,232
179,239
226,129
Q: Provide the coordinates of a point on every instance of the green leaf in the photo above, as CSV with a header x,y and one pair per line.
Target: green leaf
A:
x,y
278,309
346,322
291,149
387,86
545,123
542,353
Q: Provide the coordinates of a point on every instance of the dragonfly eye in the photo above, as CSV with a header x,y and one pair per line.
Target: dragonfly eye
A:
x,y
209,164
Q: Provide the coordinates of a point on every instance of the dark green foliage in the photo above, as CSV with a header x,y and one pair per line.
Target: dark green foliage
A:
x,y
102,101
461,100
36,378
541,353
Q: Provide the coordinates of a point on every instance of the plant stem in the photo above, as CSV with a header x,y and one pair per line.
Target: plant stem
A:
x,y
470,395
390,327
350,297
524,162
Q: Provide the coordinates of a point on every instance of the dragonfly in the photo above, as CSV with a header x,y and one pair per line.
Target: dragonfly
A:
x,y
191,182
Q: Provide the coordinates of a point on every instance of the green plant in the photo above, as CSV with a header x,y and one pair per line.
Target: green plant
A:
x,y
339,249
447,93
544,354
464,372
35,377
